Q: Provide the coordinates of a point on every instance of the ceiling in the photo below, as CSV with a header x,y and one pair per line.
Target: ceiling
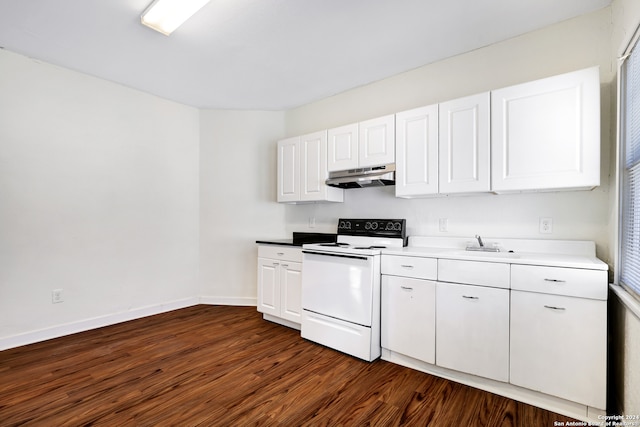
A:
x,y
266,54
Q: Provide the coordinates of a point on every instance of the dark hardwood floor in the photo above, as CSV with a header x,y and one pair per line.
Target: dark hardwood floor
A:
x,y
225,366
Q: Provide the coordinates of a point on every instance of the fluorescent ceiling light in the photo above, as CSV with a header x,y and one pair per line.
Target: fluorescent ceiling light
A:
x,y
167,15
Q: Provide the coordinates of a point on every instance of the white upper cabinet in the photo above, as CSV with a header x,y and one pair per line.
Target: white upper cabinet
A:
x,y
302,170
417,152
343,148
464,137
313,166
377,141
289,170
361,145
546,133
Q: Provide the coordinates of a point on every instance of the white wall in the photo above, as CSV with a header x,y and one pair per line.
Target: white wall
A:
x,y
237,199
98,197
568,46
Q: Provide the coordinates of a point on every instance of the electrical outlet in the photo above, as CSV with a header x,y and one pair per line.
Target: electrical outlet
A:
x,y
56,296
443,225
546,225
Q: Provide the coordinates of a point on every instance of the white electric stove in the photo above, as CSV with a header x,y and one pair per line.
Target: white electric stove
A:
x,y
341,285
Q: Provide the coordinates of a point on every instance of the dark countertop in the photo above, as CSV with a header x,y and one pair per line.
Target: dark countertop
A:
x,y
281,242
300,238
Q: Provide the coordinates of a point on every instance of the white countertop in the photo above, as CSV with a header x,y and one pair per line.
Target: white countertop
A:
x,y
552,253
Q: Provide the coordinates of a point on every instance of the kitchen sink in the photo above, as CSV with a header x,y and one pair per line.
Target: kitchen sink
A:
x,y
487,254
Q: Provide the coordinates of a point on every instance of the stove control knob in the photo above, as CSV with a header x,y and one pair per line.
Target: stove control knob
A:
x,y
344,225
374,225
367,226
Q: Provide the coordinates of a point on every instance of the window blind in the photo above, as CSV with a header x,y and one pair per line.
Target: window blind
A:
x,y
630,191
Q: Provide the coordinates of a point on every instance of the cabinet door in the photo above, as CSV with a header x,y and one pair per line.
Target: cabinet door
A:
x,y
343,148
409,317
269,286
559,346
291,291
313,166
377,141
417,152
289,170
464,155
546,133
472,330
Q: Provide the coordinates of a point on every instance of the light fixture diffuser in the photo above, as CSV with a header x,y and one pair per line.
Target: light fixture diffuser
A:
x,y
167,15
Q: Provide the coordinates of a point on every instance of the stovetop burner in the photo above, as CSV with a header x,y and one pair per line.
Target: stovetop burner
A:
x,y
364,237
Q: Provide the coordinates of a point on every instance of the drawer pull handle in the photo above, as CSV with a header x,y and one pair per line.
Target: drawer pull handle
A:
x,y
555,280
554,308
406,288
285,265
407,266
276,263
469,297
280,253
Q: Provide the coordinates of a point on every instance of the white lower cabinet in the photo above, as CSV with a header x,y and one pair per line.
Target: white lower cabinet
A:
x,y
279,289
472,330
280,283
559,346
534,333
409,317
291,291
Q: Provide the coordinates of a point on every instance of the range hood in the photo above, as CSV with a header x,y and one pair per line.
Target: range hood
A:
x,y
363,177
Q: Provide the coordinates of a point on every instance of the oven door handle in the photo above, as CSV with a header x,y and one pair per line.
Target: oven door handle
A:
x,y
362,257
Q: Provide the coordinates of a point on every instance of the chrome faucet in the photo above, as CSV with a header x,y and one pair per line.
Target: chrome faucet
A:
x,y
482,247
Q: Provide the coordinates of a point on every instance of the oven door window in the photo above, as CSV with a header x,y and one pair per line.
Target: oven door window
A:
x,y
340,287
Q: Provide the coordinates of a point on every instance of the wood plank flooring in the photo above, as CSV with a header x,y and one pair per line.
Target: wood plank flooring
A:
x,y
226,366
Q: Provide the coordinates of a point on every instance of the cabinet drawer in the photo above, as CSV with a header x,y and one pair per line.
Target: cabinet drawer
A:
x,y
560,281
280,252
409,266
493,274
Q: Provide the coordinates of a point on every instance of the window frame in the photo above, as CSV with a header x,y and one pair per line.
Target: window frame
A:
x,y
632,47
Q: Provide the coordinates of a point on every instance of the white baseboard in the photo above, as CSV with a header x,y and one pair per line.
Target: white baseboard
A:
x,y
281,321
92,323
112,319
243,301
541,400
